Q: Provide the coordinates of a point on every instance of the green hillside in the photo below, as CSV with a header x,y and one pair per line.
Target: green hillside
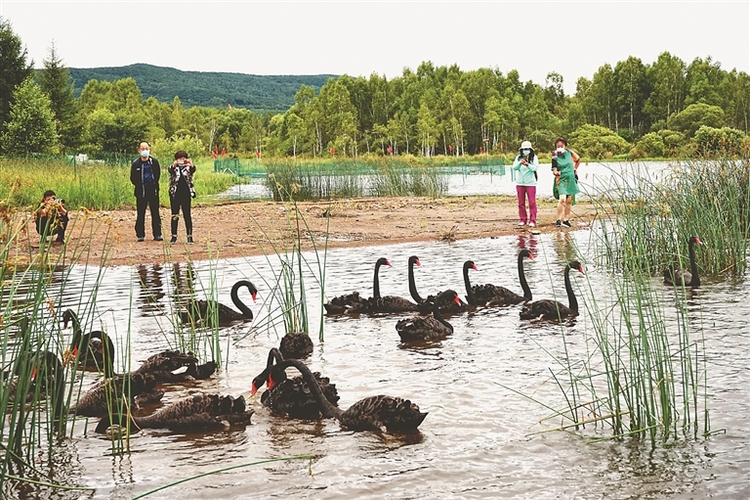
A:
x,y
196,88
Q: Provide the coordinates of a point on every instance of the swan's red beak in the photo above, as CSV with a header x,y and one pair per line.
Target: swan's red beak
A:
x,y
253,389
388,263
254,295
271,384
474,267
698,241
418,263
531,256
580,270
456,300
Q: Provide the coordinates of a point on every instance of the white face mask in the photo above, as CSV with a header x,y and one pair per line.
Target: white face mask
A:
x,y
561,151
525,152
145,153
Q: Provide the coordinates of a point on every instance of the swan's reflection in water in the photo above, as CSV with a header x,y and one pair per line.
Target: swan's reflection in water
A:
x,y
151,282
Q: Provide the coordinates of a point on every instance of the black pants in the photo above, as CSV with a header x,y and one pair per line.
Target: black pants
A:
x,y
152,202
46,227
181,201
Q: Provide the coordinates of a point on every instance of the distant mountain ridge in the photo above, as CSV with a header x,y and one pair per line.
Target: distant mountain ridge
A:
x,y
259,93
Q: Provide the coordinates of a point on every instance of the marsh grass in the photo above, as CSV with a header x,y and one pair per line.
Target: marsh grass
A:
x,y
92,186
653,217
643,372
350,179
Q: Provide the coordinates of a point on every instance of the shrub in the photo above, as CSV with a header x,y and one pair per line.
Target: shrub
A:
x,y
597,142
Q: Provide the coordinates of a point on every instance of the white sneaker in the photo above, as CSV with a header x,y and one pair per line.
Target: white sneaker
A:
x,y
531,224
521,223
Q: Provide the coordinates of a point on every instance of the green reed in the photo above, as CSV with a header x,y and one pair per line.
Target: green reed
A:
x,y
94,186
709,199
351,179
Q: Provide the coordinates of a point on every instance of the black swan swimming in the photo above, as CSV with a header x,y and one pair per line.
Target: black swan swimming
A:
x,y
387,303
493,295
426,327
373,413
202,310
139,387
351,303
552,310
93,350
196,413
291,397
681,277
296,346
117,392
444,299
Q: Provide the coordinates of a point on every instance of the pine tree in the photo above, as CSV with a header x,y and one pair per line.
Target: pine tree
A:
x,y
13,68
56,82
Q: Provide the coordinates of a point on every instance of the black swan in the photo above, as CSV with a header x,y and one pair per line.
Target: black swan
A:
x,y
444,299
681,277
139,386
296,345
388,303
37,375
552,310
119,391
493,295
92,351
426,327
197,413
176,366
351,303
291,397
369,414
201,310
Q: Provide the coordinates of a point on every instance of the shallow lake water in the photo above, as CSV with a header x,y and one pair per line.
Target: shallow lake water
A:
x,y
595,178
480,439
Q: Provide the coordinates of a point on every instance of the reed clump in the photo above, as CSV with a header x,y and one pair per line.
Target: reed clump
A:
x,y
653,217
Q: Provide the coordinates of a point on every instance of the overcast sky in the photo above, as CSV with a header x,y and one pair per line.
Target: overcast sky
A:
x,y
360,38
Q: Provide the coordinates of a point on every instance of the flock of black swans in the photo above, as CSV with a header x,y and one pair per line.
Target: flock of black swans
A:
x,y
116,398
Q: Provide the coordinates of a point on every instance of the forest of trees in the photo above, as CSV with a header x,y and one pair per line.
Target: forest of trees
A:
x,y
633,109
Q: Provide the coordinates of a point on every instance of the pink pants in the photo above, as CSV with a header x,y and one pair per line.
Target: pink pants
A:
x,y
523,193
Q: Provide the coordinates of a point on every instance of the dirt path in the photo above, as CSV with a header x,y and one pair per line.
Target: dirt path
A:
x,y
246,228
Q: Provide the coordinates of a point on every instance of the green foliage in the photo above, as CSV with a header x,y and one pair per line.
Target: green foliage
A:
x,y
166,148
31,128
689,120
650,145
718,142
196,88
55,81
13,67
593,141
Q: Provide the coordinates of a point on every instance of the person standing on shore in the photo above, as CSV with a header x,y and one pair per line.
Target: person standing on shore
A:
x,y
144,174
564,166
526,164
181,193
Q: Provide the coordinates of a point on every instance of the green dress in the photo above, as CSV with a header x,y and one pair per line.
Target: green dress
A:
x,y
568,185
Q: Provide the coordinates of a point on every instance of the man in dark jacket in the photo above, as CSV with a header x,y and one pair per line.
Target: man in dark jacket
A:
x,y
144,174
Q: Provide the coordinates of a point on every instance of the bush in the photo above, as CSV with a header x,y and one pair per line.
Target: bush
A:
x,y
597,142
718,142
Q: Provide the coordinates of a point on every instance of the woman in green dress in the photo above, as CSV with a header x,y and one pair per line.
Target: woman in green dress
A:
x,y
564,165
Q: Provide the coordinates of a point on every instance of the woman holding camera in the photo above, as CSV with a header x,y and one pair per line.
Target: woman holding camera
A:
x,y
526,164
564,166
181,193
51,217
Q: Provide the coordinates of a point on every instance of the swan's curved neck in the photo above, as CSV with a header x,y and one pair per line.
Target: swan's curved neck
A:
x,y
327,409
413,284
376,282
469,291
238,302
694,280
522,279
572,301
